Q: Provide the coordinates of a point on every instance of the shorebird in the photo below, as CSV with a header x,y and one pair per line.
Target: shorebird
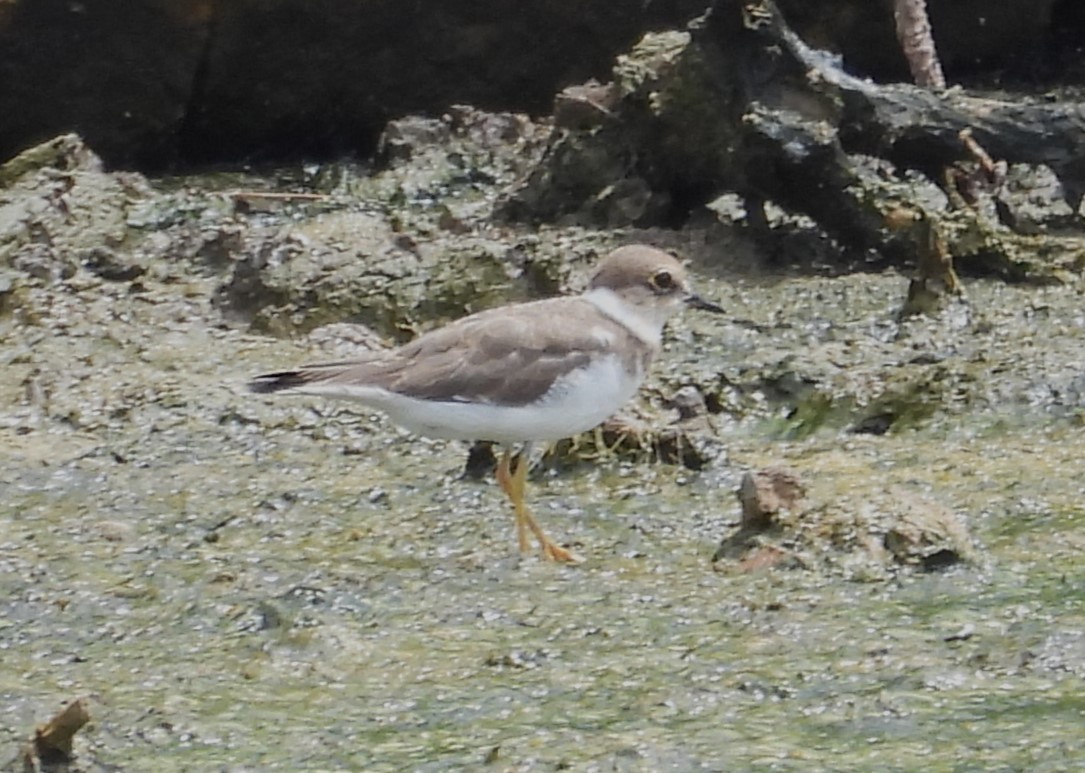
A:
x,y
519,374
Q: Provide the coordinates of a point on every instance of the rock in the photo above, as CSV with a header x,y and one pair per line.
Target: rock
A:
x,y
765,494
865,531
59,203
114,531
925,533
43,262
689,402
111,266
1033,201
586,105
403,138
666,131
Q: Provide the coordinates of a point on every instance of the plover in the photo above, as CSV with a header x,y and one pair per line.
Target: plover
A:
x,y
519,374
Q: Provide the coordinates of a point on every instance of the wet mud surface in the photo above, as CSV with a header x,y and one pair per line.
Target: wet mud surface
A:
x,y
237,582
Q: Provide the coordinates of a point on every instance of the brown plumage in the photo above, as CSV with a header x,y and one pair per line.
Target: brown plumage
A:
x,y
489,357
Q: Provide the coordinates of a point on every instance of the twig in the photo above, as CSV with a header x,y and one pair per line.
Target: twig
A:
x,y
277,195
995,170
988,175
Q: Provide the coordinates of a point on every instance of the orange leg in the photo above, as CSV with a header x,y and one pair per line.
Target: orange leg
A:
x,y
505,480
513,484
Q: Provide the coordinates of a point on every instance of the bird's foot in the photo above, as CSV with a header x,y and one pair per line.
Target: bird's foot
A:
x,y
551,551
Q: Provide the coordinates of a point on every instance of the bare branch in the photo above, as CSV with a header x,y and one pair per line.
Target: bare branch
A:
x,y
917,43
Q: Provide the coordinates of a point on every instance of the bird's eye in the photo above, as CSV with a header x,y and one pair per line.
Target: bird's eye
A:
x,y
662,281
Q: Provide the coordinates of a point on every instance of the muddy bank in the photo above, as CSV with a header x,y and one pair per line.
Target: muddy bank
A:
x,y
233,581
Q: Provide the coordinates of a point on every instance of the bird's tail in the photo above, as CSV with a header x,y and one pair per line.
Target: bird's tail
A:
x,y
277,382
312,375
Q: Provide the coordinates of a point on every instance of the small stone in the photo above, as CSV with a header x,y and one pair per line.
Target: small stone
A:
x,y
586,105
767,493
927,533
114,531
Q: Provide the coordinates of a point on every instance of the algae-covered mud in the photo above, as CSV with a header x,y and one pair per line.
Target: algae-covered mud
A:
x,y
240,583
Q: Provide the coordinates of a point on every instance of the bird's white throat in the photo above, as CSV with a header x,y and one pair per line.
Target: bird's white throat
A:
x,y
645,324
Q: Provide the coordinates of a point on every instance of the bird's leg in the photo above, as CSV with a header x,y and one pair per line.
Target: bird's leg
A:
x,y
513,485
504,479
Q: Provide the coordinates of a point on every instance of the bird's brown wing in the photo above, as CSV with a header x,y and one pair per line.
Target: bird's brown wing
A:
x,y
508,356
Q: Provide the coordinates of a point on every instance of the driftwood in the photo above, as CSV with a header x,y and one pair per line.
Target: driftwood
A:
x,y
741,103
909,125
51,748
811,128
